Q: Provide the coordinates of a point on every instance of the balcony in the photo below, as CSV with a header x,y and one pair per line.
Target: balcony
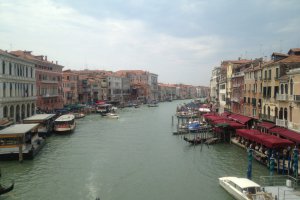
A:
x,y
49,81
282,97
49,95
238,74
281,122
297,98
267,118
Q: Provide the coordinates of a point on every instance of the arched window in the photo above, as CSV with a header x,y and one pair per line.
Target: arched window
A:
x,y
269,112
12,112
291,87
276,112
281,88
32,109
264,110
286,89
281,113
4,89
5,112
285,113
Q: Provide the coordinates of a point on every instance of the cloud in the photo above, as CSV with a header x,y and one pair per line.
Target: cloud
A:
x,y
78,40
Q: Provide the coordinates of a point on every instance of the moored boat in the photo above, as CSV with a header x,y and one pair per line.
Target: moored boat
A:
x,y
65,124
79,115
243,188
4,189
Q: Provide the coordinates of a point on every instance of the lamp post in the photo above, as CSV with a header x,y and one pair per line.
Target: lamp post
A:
x,y
250,158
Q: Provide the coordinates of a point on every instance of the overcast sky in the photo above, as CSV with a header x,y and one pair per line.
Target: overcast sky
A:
x,y
180,40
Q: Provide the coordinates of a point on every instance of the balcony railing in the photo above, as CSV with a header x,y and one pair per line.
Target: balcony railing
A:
x,y
297,98
282,97
267,117
281,122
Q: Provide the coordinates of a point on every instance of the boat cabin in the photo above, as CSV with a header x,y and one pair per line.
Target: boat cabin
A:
x,y
18,140
45,122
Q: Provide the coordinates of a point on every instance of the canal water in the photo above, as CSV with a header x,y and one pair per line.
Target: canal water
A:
x,y
135,157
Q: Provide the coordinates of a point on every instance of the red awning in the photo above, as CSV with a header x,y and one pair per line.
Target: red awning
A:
x,y
240,118
213,117
269,141
247,133
286,133
225,114
266,125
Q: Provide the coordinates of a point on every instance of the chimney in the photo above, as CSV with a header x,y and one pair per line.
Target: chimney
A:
x,y
27,52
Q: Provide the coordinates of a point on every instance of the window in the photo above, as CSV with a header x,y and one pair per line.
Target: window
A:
x,y
10,89
266,73
277,73
270,73
276,91
285,113
286,89
10,68
3,67
4,89
291,87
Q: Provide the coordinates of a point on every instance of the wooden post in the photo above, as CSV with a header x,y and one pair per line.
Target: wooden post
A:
x,y
172,120
20,149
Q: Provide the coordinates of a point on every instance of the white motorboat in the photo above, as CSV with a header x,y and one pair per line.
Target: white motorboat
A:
x,y
112,116
65,124
244,189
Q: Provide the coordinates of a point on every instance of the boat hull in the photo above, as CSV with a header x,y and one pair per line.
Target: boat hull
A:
x,y
64,130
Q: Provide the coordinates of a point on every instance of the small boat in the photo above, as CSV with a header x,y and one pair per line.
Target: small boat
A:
x,y
65,123
194,126
79,115
112,116
103,109
243,188
4,189
153,105
194,141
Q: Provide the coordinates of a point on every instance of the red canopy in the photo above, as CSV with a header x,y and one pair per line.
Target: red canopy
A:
x,y
266,125
240,118
269,141
286,133
213,117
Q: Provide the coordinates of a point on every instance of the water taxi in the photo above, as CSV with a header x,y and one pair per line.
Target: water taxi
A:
x,y
243,188
20,141
45,122
65,124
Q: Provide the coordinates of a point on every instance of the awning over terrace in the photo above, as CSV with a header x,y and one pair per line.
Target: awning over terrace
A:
x,y
266,125
240,118
286,133
269,141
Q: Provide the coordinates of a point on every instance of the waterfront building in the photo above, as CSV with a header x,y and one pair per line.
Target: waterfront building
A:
x,y
214,85
144,85
18,87
48,81
114,88
253,90
70,92
166,92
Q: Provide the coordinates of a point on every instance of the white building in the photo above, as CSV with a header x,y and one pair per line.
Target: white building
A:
x,y
18,87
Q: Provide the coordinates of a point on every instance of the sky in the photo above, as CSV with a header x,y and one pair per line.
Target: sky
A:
x,y
180,40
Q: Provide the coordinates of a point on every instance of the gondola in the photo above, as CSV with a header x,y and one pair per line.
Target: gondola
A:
x,y
4,190
194,141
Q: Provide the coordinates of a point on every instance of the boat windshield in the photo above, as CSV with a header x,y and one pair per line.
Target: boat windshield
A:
x,y
253,190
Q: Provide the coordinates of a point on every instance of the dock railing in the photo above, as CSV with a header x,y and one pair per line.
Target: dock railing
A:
x,y
282,187
283,180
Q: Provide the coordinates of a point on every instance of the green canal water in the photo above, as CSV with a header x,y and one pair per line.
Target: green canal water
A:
x,y
133,158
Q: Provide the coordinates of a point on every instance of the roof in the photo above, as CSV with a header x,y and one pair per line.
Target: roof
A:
x,y
241,182
17,130
286,133
67,117
267,140
240,118
39,117
266,125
